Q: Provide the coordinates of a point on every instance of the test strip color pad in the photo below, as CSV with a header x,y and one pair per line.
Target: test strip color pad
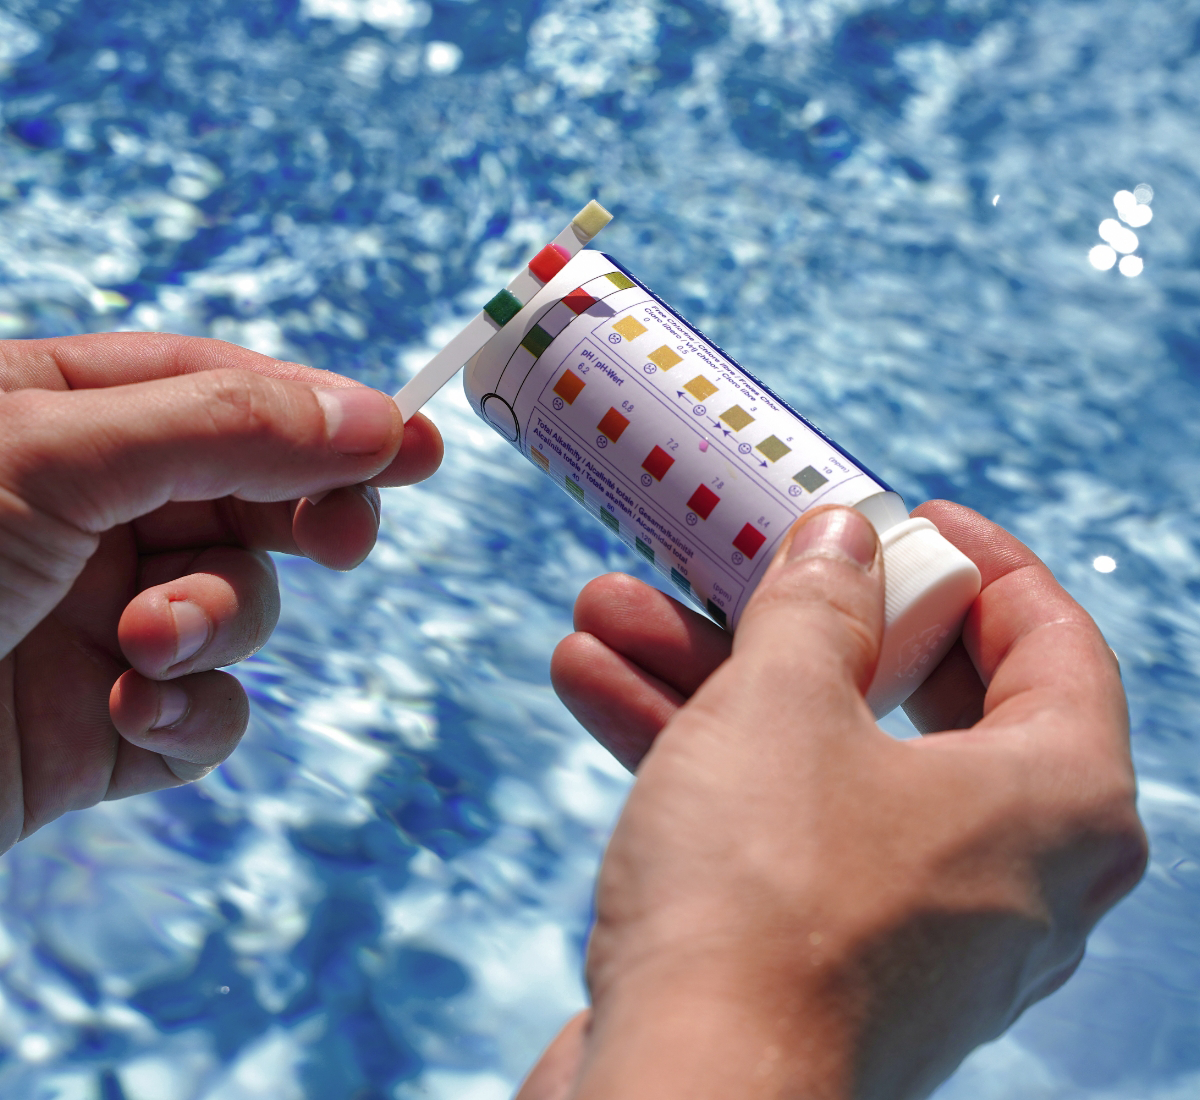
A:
x,y
654,430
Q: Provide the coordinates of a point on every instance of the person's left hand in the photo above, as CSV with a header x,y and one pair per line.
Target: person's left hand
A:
x,y
143,478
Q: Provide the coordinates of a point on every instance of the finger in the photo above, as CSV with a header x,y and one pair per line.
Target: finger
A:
x,y
103,360
420,455
100,360
809,639
192,724
669,641
553,1078
951,696
73,465
340,531
615,700
199,611
97,458
1036,649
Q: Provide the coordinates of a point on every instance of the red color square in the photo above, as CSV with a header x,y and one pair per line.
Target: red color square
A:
x,y
612,424
569,386
579,301
749,540
549,262
703,501
657,463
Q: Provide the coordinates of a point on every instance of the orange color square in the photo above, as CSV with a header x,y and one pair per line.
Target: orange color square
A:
x,y
569,386
612,424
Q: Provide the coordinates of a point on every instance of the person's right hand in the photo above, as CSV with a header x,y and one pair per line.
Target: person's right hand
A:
x,y
794,903
143,478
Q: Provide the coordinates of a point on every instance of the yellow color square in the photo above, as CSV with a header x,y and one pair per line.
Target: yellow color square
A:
x,y
629,327
664,358
774,448
700,387
737,418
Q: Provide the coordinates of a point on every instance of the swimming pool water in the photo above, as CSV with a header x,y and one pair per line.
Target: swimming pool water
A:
x,y
885,210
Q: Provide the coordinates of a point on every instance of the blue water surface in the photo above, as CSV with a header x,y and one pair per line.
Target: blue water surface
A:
x,y
885,210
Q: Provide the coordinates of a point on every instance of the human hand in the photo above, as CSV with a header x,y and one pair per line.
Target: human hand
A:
x,y
794,903
143,478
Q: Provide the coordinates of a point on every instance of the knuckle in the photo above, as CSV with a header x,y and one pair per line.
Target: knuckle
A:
x,y
238,402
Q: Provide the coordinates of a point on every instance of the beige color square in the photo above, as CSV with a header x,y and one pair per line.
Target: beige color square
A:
x,y
700,387
629,327
737,418
664,358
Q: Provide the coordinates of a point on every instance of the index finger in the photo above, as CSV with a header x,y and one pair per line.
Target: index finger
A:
x,y
101,360
1035,648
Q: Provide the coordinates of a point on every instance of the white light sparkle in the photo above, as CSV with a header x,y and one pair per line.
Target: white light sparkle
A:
x,y
442,57
1130,266
1104,564
1137,216
1122,239
1102,257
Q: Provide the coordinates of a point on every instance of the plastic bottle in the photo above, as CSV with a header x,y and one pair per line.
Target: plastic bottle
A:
x,y
694,463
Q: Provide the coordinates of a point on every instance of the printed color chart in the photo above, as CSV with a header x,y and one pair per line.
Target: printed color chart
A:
x,y
658,433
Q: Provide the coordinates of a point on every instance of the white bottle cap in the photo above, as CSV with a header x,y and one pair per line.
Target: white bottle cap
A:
x,y
930,585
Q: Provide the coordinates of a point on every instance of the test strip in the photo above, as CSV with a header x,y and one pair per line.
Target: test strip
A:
x,y
499,311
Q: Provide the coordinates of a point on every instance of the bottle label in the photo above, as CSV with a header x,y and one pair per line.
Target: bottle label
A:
x,y
671,444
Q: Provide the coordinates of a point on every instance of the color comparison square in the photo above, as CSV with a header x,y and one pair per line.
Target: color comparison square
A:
x,y
569,386
579,301
664,358
700,387
703,501
810,479
749,540
612,424
737,418
537,340
629,327
774,448
657,463
621,282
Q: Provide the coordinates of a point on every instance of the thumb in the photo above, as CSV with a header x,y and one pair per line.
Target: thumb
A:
x,y
809,639
75,464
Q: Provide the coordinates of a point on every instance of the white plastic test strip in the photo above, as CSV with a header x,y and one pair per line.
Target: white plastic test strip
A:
x,y
501,309
693,462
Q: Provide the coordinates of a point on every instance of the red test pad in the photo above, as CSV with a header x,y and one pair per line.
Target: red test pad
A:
x,y
549,262
703,501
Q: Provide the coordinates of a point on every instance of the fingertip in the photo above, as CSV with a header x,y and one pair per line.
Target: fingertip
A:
x,y
133,704
420,455
569,657
607,598
339,531
194,722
